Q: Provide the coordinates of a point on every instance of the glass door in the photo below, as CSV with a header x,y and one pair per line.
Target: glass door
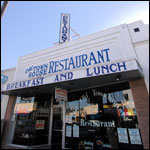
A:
x,y
58,116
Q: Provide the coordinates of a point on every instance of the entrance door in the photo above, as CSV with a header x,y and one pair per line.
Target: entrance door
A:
x,y
58,126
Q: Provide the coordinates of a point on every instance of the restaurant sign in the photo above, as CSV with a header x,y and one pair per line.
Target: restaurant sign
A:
x,y
93,63
64,28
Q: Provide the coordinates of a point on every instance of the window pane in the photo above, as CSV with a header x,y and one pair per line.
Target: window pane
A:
x,y
100,113
32,120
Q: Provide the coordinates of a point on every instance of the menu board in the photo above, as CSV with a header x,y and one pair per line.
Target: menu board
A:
x,y
135,136
75,130
68,130
122,135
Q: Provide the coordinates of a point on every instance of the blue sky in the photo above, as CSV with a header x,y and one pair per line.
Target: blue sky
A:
x,y
30,26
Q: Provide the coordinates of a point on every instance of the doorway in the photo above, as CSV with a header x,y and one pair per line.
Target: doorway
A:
x,y
30,121
58,125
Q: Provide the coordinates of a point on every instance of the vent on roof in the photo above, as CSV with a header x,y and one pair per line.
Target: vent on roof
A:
x,y
136,30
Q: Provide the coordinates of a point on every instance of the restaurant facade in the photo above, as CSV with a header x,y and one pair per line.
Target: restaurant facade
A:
x,y
89,93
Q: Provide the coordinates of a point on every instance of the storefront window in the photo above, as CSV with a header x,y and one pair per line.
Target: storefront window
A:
x,y
32,120
102,118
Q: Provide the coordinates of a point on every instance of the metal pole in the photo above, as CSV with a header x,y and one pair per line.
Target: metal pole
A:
x,y
4,6
79,113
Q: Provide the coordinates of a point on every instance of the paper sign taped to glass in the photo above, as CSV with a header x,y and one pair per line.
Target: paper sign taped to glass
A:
x,y
122,135
135,136
75,130
68,130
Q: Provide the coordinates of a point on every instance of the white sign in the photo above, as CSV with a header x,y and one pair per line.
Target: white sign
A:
x,y
135,136
122,135
60,94
64,28
98,70
75,130
96,123
68,130
68,119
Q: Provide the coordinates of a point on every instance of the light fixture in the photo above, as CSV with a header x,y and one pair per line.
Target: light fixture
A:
x,y
71,83
118,77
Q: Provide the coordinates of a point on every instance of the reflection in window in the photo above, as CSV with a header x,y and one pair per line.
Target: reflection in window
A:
x,y
99,113
32,121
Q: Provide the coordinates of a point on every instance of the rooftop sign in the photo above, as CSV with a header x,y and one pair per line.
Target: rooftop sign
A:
x,y
64,28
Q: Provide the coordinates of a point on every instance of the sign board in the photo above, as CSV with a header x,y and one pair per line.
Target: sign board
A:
x,y
68,119
64,28
60,94
68,130
135,136
40,124
122,135
85,65
75,130
98,54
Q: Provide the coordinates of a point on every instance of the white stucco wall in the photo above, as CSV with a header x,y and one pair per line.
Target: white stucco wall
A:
x,y
140,41
117,39
4,98
124,43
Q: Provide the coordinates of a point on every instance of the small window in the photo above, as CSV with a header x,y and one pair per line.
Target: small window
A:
x,y
136,30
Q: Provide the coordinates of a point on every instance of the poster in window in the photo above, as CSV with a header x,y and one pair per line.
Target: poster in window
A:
x,y
68,119
68,130
122,135
60,94
75,130
40,124
135,136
